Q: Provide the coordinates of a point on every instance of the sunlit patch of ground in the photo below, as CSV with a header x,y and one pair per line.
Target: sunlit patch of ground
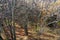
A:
x,y
34,35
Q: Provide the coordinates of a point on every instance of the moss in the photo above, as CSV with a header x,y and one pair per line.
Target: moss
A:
x,y
58,23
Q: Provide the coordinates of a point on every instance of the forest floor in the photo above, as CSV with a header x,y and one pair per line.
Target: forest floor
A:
x,y
33,35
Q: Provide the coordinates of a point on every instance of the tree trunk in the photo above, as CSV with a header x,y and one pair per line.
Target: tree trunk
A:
x,y
26,30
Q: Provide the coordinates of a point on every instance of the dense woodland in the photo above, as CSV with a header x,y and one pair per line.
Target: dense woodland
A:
x,y
29,19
